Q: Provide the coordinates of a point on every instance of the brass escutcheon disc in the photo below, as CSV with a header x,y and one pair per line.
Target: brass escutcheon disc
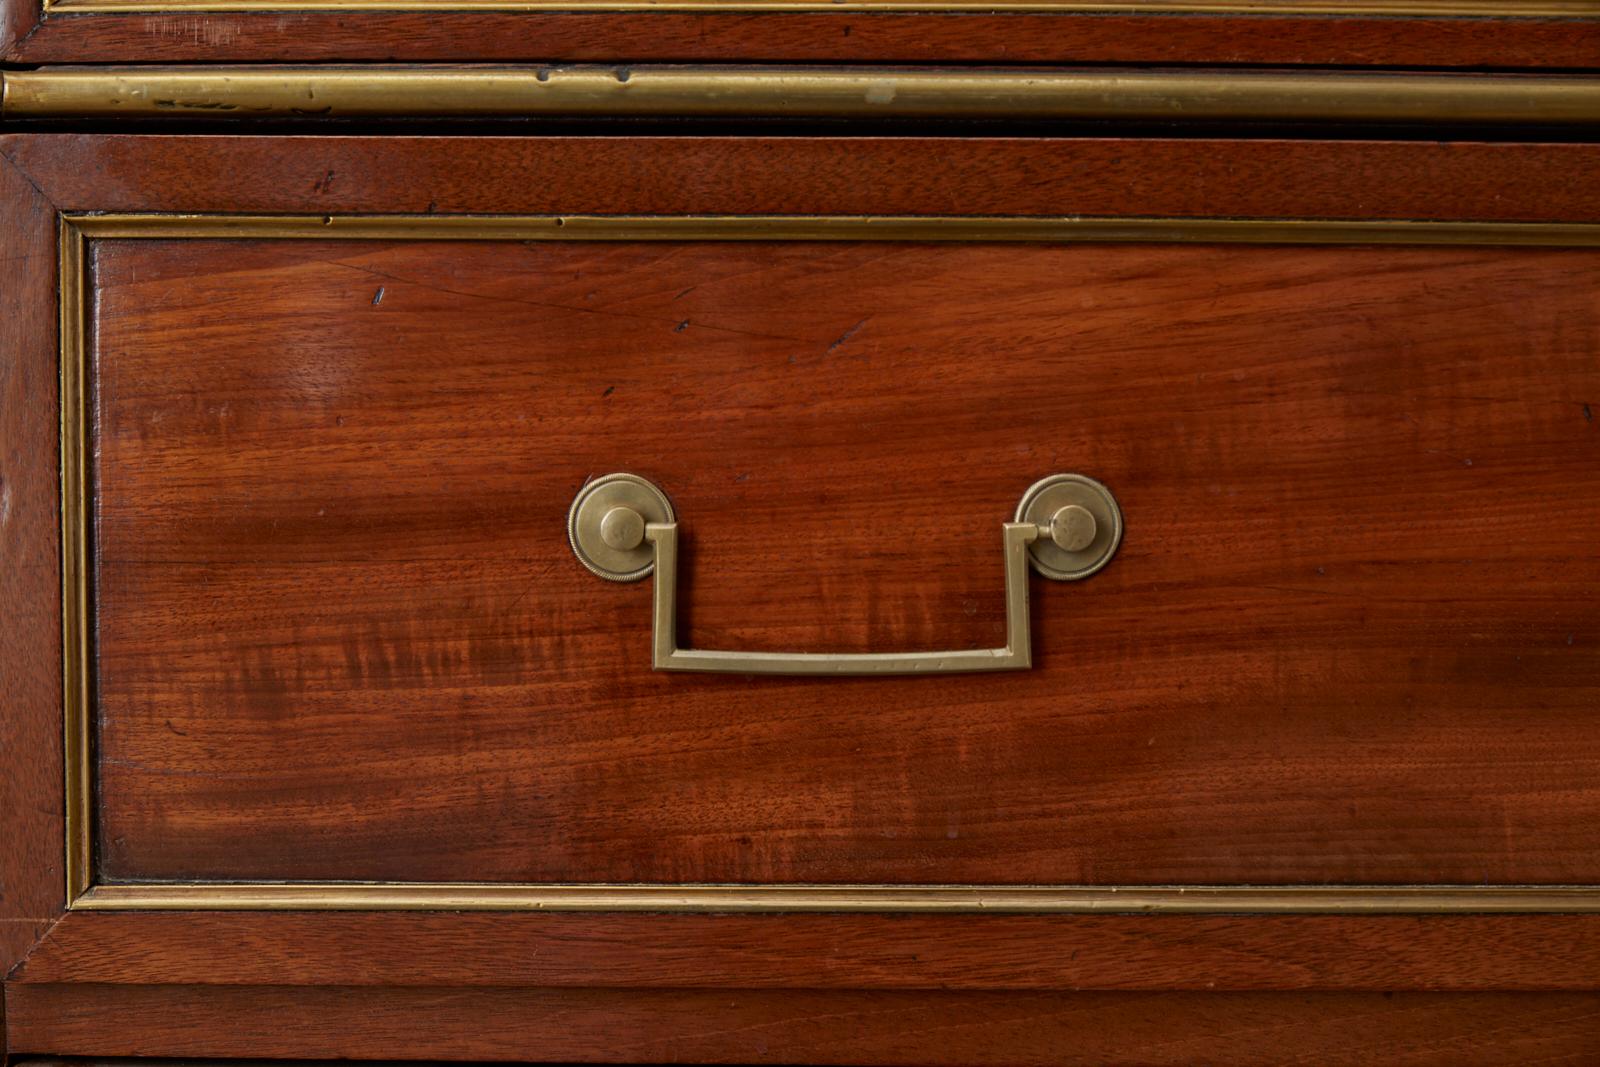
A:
x,y
1048,496
589,509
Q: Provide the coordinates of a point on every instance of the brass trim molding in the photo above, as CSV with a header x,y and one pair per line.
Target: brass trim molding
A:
x,y
249,93
77,594
77,655
956,228
1192,900
1503,9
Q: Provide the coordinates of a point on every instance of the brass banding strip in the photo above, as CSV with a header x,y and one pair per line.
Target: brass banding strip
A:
x,y
76,559
1194,900
77,606
1074,228
524,92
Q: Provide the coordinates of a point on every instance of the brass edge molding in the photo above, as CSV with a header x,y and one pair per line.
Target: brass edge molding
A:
x,y
76,625
1499,9
1074,228
1192,900
248,93
77,608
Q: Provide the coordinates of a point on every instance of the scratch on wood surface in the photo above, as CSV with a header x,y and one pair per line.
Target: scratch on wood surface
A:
x,y
843,337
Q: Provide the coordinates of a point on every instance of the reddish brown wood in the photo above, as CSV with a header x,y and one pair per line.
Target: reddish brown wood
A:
x,y
102,975
814,175
813,1027
31,883
18,18
1450,43
1460,953
1350,638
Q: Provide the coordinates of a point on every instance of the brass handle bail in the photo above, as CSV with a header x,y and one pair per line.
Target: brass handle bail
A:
x,y
622,527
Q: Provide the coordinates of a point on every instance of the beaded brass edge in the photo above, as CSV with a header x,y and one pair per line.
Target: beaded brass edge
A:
x,y
241,94
77,607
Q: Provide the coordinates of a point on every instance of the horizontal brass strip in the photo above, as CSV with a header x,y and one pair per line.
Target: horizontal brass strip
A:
x,y
1303,900
1411,8
1075,228
517,92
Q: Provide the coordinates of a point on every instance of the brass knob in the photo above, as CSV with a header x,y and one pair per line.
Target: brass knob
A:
x,y
607,525
1079,524
623,528
1072,528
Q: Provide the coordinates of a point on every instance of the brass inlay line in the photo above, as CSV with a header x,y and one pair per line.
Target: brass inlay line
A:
x,y
517,92
1073,228
1508,9
77,657
77,559
1303,900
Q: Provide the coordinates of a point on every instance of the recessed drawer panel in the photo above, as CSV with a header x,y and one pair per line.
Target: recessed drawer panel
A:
x,y
340,635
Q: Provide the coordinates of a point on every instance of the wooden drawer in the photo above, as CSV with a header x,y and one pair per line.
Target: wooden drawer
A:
x,y
340,634
349,731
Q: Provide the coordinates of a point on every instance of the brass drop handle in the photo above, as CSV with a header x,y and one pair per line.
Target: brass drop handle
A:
x,y
622,527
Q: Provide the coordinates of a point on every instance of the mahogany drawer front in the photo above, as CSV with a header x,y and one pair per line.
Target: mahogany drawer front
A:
x,y
341,635
349,732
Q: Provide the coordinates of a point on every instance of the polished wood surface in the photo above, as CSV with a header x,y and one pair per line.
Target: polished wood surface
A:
x,y
31,830
819,1027
814,176
1238,953
1348,638
1352,40
448,985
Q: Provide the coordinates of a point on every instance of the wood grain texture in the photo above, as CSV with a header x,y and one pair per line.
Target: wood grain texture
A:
x,y
110,984
812,1027
18,18
815,175
278,36
1459,953
1350,638
31,848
